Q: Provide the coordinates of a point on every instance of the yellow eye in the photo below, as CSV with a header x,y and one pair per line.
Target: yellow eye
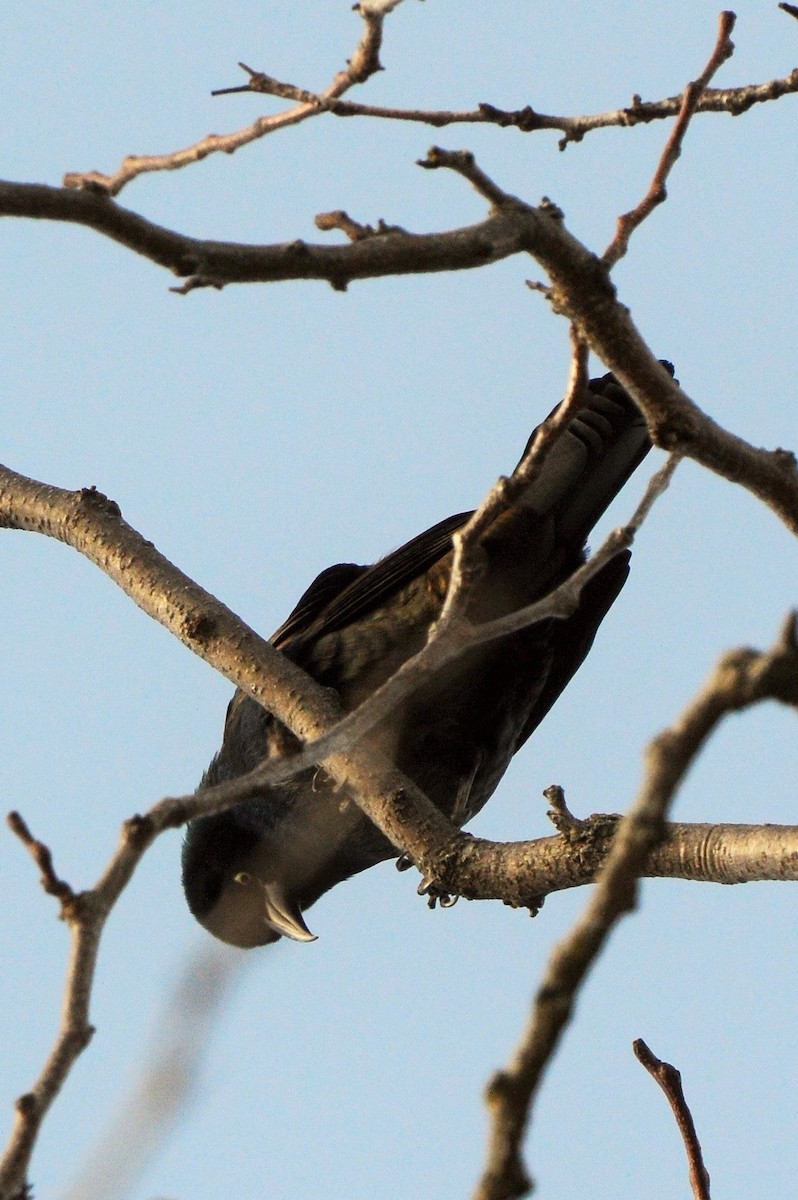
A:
x,y
243,877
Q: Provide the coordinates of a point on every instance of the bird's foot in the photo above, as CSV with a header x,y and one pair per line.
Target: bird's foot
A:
x,y
428,887
435,894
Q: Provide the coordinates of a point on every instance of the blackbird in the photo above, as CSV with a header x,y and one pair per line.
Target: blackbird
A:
x,y
250,872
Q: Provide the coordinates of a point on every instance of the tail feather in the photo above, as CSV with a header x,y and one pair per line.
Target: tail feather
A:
x,y
591,461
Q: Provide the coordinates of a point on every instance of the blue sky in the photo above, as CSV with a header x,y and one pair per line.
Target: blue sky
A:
x,y
258,434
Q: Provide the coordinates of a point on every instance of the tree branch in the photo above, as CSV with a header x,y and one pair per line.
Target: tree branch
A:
x,y
364,62
629,222
580,288
743,678
670,1080
733,101
93,525
517,873
209,263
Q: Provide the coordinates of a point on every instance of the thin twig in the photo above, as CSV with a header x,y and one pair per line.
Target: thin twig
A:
x,y
354,230
85,919
670,1080
468,561
629,221
42,856
364,62
733,101
465,164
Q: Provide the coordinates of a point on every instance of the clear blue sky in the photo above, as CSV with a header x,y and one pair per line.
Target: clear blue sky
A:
x,y
257,435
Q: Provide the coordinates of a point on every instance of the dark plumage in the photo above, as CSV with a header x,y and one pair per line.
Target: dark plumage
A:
x,y
250,872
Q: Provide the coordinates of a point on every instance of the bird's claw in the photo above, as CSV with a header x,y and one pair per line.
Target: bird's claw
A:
x,y
435,895
428,887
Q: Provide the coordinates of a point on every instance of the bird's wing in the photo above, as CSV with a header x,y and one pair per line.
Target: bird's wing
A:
x,y
570,640
314,600
336,599
584,469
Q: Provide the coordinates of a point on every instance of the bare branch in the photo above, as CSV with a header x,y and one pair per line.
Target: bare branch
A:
x,y
733,101
92,525
479,869
670,1080
86,914
580,289
467,561
43,858
629,222
85,920
739,680
363,63
211,263
464,163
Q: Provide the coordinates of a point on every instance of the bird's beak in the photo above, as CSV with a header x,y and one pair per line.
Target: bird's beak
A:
x,y
284,916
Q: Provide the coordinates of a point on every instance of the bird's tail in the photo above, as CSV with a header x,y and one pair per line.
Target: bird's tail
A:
x,y
591,461
540,537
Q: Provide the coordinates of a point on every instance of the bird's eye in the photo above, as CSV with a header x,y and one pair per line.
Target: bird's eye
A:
x,y
243,877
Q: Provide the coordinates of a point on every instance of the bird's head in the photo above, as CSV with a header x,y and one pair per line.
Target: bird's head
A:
x,y
238,882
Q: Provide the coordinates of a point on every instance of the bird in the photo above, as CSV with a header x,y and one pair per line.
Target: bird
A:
x,y
251,872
